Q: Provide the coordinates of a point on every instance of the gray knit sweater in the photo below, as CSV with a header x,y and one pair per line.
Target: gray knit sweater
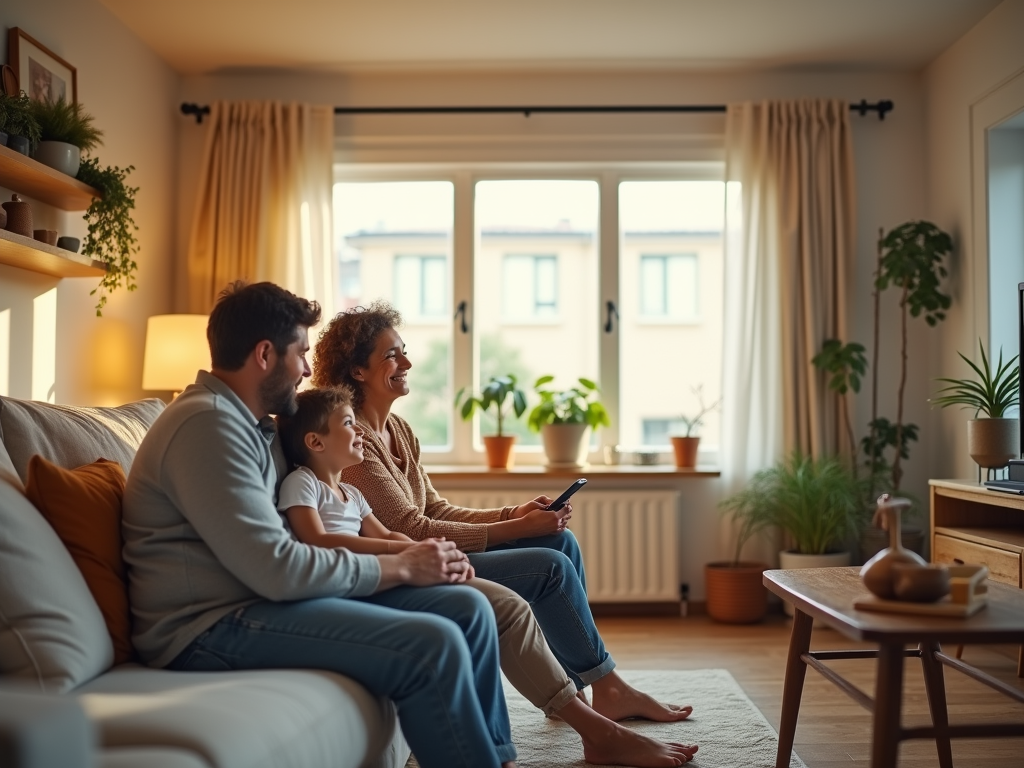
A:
x,y
202,534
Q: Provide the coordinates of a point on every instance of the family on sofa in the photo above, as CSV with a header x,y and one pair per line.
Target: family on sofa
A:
x,y
218,582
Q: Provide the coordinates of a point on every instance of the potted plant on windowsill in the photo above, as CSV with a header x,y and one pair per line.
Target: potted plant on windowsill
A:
x,y
564,418
816,502
685,446
499,446
66,131
993,440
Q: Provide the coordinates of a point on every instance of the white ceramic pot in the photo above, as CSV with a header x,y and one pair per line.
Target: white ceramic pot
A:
x,y
60,156
788,559
993,442
565,445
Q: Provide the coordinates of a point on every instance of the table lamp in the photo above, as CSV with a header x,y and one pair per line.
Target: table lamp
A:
x,y
176,348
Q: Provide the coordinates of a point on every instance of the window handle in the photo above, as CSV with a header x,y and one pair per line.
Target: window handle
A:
x,y
611,312
460,314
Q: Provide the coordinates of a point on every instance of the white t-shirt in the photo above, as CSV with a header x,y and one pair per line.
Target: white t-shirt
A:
x,y
303,489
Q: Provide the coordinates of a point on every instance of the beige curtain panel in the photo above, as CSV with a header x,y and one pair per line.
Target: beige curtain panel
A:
x,y
263,206
794,160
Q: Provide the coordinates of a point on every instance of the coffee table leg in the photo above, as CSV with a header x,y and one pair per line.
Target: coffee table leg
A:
x,y
936,689
793,688
888,697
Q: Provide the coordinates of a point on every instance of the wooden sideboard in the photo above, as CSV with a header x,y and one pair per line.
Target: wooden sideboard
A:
x,y
971,524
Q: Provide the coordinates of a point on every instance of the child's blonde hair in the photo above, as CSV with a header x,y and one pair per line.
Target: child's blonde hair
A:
x,y
314,410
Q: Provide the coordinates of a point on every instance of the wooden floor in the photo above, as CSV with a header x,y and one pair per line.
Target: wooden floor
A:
x,y
832,731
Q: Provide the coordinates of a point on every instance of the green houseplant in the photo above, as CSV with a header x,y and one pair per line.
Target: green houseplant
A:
x,y
992,440
66,131
685,446
18,121
563,417
495,393
111,235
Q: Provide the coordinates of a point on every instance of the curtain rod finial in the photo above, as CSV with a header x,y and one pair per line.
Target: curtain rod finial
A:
x,y
196,110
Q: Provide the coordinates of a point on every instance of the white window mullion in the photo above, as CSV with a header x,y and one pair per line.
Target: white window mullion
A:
x,y
608,290
463,247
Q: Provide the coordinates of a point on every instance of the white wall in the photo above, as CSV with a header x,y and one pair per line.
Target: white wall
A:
x,y
965,75
132,94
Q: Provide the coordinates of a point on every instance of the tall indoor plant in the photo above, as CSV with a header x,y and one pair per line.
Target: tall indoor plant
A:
x,y
993,440
563,418
499,389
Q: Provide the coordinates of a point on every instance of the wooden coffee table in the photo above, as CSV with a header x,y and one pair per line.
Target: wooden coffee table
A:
x,y
828,594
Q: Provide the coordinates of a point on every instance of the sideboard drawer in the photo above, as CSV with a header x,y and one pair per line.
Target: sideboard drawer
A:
x,y
1003,566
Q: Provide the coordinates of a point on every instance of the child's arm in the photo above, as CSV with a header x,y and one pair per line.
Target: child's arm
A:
x,y
308,528
374,529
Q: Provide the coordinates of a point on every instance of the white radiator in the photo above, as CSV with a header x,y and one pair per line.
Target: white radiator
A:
x,y
629,540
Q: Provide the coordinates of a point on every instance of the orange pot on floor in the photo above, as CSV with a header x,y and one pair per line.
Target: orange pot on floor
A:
x,y
685,449
735,592
499,451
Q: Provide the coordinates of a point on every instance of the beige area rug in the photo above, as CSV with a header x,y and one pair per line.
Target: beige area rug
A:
x,y
730,730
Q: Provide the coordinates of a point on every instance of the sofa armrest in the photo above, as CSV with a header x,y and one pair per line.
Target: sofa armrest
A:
x,y
39,730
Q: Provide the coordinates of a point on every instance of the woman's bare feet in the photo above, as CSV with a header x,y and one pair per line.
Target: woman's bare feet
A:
x,y
616,699
607,743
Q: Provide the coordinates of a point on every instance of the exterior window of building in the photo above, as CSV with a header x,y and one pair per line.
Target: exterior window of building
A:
x,y
669,287
421,287
657,431
530,287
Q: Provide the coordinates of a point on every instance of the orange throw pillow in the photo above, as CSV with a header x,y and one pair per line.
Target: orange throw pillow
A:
x,y
83,506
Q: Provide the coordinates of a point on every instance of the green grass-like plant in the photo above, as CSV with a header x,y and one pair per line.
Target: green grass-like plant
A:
x,y
498,389
992,393
17,118
66,121
575,405
816,501
111,236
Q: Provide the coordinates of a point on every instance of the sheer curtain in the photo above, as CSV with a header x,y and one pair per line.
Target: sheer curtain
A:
x,y
788,248
263,205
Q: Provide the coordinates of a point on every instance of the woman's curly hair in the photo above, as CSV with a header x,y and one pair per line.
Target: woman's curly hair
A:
x,y
347,342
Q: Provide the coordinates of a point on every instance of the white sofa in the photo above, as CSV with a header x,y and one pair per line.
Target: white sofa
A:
x,y
62,705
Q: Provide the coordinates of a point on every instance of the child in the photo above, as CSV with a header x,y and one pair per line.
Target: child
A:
x,y
320,440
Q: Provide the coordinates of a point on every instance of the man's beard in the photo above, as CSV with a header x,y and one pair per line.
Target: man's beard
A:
x,y
278,392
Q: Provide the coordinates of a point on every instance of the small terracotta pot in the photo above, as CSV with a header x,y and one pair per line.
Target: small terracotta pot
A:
x,y
499,451
685,449
735,592
48,236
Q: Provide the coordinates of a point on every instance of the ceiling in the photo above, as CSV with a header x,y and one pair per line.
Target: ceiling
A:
x,y
201,36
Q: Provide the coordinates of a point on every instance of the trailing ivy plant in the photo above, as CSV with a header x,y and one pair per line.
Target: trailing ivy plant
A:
x,y
111,236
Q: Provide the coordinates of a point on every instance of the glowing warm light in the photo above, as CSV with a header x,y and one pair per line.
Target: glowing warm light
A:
x,y
176,349
44,346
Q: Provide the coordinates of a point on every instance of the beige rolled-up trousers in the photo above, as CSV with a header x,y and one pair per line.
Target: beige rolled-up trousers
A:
x,y
526,659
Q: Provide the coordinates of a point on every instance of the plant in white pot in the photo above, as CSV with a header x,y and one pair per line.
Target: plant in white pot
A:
x,y
66,131
564,417
499,389
993,440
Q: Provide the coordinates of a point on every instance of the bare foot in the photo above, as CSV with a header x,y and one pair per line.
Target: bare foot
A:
x,y
620,746
579,695
616,699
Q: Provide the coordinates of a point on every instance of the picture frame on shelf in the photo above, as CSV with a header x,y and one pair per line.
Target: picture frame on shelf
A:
x,y
41,73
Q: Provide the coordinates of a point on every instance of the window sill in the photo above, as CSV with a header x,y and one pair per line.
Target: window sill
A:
x,y
450,472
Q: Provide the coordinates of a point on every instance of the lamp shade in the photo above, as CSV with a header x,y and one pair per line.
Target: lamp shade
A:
x,y
176,348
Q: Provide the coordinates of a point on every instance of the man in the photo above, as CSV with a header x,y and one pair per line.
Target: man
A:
x,y
218,583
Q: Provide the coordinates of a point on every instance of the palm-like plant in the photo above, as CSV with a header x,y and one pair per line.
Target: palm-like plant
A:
x,y
495,393
816,501
991,393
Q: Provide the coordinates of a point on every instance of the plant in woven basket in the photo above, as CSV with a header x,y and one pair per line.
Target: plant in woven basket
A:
x,y
111,236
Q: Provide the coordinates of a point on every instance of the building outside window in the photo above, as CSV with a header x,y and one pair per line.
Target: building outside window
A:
x,y
669,287
530,287
421,286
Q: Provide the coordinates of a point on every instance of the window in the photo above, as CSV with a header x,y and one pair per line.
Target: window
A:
x,y
530,287
537,258
668,287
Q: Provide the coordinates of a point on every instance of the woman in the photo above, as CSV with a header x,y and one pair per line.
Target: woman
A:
x,y
525,548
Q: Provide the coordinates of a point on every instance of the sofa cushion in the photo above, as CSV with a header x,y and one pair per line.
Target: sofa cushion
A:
x,y
71,436
251,719
51,630
83,506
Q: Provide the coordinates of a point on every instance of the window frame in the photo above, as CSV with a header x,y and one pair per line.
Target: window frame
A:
x,y
463,447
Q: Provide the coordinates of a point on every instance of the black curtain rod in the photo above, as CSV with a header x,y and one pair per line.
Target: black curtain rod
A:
x,y
881,107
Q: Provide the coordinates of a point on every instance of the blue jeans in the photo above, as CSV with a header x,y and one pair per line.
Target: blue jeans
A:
x,y
547,572
432,650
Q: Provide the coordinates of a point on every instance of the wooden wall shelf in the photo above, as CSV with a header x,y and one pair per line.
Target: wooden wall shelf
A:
x,y
26,253
40,182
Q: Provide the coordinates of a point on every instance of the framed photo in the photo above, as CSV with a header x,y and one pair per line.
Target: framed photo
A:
x,y
41,73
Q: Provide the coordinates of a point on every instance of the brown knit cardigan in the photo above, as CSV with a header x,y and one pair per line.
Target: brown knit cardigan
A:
x,y
402,497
